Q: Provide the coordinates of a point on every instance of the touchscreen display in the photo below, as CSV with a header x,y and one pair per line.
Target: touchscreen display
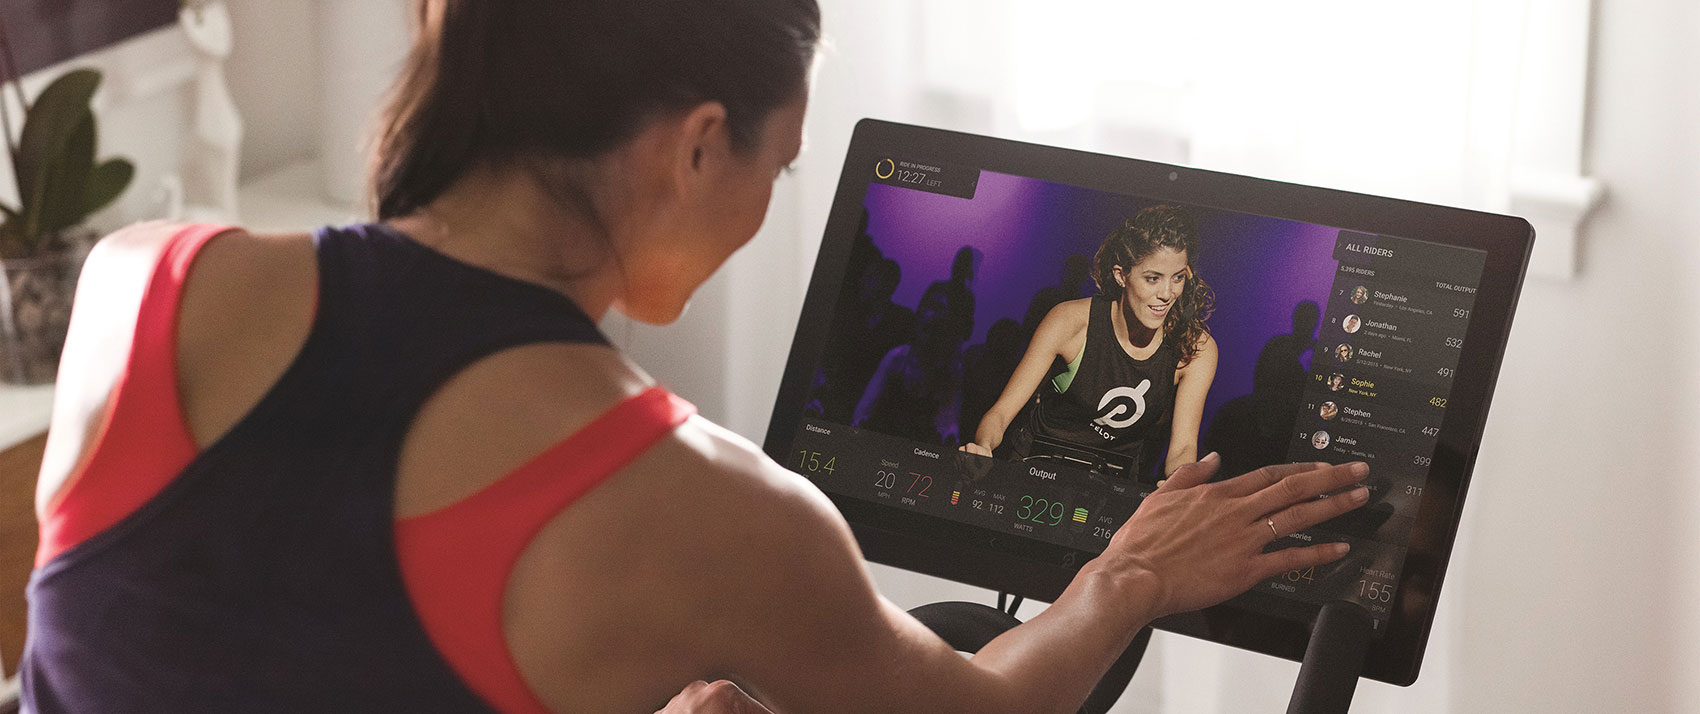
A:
x,y
1155,332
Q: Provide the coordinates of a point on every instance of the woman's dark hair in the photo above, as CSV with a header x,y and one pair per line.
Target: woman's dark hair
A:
x,y
536,80
1155,227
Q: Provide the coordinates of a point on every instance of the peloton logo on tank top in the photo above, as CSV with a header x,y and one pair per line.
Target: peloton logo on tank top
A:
x,y
1114,408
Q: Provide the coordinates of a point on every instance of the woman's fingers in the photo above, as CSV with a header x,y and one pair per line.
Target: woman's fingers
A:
x,y
1193,536
1251,482
1272,564
719,697
1193,474
1309,513
975,448
1304,486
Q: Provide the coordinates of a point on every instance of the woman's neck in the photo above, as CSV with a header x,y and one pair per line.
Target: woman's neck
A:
x,y
1130,328
504,222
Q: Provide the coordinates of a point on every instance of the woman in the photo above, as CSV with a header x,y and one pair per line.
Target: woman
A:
x,y
1138,354
394,467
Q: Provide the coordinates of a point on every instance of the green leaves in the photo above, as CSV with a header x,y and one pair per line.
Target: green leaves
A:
x,y
59,182
53,123
107,181
52,206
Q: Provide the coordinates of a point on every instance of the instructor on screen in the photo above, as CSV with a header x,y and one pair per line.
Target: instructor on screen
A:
x,y
1138,355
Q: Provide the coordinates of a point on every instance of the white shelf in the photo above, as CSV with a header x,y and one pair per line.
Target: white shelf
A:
x,y
291,198
23,412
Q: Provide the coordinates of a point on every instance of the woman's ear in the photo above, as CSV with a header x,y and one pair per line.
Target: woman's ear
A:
x,y
703,135
1121,278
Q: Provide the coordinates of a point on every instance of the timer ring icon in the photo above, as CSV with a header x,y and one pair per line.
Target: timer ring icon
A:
x,y
885,168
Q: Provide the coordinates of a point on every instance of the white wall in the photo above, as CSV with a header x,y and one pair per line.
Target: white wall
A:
x,y
1579,586
273,72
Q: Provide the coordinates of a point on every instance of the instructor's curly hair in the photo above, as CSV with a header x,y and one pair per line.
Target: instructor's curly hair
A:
x,y
1161,226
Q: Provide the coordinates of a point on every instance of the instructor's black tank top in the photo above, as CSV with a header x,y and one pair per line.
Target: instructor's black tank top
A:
x,y
1115,402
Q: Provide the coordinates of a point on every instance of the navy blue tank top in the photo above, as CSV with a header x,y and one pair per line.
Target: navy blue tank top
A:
x,y
264,578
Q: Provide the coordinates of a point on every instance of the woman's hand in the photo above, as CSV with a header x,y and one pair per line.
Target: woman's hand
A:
x,y
975,448
1204,542
721,697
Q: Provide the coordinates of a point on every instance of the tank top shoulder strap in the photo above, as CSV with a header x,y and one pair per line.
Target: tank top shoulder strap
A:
x,y
144,441
1171,351
1100,330
456,561
1099,319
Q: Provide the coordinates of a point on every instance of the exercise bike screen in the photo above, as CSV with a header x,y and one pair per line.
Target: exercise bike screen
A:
x,y
1262,339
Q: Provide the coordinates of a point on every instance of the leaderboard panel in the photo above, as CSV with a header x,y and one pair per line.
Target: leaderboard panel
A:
x,y
1393,337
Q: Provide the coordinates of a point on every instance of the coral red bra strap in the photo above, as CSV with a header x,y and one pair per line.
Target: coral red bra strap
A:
x,y
144,441
456,561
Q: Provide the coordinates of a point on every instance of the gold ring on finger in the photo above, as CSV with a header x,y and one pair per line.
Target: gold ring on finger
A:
x,y
1271,524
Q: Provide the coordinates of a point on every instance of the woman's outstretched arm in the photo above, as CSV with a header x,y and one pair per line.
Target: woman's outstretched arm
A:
x,y
1063,323
1192,386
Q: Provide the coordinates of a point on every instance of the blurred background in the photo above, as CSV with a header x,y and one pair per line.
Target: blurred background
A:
x,y
1572,585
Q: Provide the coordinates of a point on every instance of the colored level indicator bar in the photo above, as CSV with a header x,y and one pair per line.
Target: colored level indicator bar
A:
x,y
1079,515
955,496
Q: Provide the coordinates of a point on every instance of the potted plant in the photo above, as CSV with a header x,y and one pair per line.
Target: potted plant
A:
x,y
42,238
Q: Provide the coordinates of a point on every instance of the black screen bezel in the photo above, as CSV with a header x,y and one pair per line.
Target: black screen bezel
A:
x,y
1041,571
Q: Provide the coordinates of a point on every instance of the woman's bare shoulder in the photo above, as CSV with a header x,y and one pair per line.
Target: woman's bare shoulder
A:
x,y
698,557
143,241
738,463
1206,348
1064,325
216,311
1073,311
724,484
248,305
1203,361
723,499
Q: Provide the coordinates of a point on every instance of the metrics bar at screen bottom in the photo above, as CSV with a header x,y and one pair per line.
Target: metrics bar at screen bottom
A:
x,y
1081,511
1048,503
